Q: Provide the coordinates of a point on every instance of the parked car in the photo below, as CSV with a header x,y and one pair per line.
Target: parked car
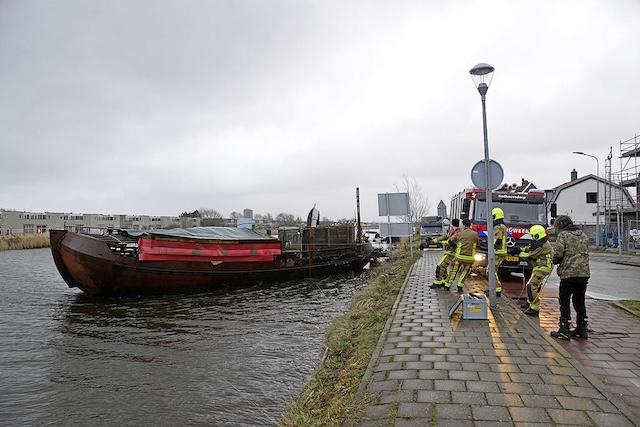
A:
x,y
380,244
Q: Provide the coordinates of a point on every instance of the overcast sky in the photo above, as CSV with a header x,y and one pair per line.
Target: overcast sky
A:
x,y
159,107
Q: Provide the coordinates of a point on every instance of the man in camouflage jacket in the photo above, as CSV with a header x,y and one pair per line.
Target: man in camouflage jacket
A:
x,y
571,253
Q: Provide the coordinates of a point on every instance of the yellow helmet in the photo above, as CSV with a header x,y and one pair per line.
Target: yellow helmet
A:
x,y
537,232
497,213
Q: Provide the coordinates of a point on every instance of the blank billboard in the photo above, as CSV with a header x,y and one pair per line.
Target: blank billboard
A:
x,y
395,204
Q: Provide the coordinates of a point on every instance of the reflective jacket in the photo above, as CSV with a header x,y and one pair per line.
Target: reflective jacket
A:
x,y
448,248
465,243
541,255
500,239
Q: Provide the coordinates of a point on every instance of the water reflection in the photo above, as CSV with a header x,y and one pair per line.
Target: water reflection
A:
x,y
225,358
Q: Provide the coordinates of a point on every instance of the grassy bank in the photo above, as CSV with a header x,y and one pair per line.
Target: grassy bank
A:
x,y
328,398
633,306
24,241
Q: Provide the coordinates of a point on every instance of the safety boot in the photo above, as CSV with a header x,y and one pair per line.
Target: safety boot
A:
x,y
436,285
581,330
524,305
563,333
460,290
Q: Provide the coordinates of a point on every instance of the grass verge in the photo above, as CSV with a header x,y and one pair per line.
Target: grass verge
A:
x,y
633,306
328,397
24,241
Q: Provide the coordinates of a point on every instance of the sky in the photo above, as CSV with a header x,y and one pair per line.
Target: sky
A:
x,y
158,107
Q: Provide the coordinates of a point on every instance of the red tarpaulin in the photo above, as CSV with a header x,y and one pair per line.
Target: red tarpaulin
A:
x,y
170,250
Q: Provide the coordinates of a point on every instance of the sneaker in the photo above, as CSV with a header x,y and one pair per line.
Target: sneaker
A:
x,y
532,313
436,286
460,290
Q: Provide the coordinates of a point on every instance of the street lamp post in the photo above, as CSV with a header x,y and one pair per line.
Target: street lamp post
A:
x,y
597,194
482,74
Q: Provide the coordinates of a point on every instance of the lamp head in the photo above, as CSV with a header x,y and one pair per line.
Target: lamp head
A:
x,y
481,75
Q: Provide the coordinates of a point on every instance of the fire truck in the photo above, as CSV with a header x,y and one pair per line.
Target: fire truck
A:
x,y
521,211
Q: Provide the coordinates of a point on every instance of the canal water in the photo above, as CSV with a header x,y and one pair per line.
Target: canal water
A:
x,y
232,358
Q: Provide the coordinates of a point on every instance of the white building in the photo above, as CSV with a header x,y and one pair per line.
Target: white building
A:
x,y
589,200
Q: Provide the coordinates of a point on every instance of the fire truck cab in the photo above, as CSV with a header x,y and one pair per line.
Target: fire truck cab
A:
x,y
521,211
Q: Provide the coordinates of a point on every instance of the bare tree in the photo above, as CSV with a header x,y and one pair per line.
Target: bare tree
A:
x,y
286,219
419,204
209,213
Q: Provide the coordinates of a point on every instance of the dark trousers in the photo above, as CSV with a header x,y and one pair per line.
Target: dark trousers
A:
x,y
573,289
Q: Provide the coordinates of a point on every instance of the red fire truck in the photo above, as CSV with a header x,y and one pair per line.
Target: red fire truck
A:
x,y
521,211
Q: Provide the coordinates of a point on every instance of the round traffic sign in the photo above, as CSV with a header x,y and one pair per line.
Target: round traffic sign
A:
x,y
478,174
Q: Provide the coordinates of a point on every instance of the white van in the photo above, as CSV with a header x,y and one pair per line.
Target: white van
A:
x,y
380,244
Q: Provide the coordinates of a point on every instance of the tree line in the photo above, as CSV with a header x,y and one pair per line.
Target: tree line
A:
x,y
419,207
283,218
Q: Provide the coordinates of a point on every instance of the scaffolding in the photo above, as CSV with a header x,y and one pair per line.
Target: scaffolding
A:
x,y
622,216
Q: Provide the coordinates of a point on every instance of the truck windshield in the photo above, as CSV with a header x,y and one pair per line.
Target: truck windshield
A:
x,y
514,213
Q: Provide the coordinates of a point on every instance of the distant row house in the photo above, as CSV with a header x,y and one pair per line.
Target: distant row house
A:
x,y
22,222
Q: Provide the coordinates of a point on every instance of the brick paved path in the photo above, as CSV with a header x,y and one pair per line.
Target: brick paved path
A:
x,y
430,369
612,352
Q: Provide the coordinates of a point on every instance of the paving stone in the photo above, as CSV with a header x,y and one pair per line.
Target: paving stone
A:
x,y
450,385
520,388
549,390
433,374
411,422
388,385
468,397
533,415
603,419
433,396
481,423
463,375
580,403
411,409
505,399
491,413
452,411
564,417
584,392
395,396
537,401
417,385
389,366
378,411
483,386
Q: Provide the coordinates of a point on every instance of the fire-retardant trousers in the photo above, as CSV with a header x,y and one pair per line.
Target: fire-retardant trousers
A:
x,y
534,285
442,269
461,266
499,259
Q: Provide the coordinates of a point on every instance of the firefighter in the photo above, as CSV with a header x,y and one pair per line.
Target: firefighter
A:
x,y
499,244
465,243
571,253
541,254
442,268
